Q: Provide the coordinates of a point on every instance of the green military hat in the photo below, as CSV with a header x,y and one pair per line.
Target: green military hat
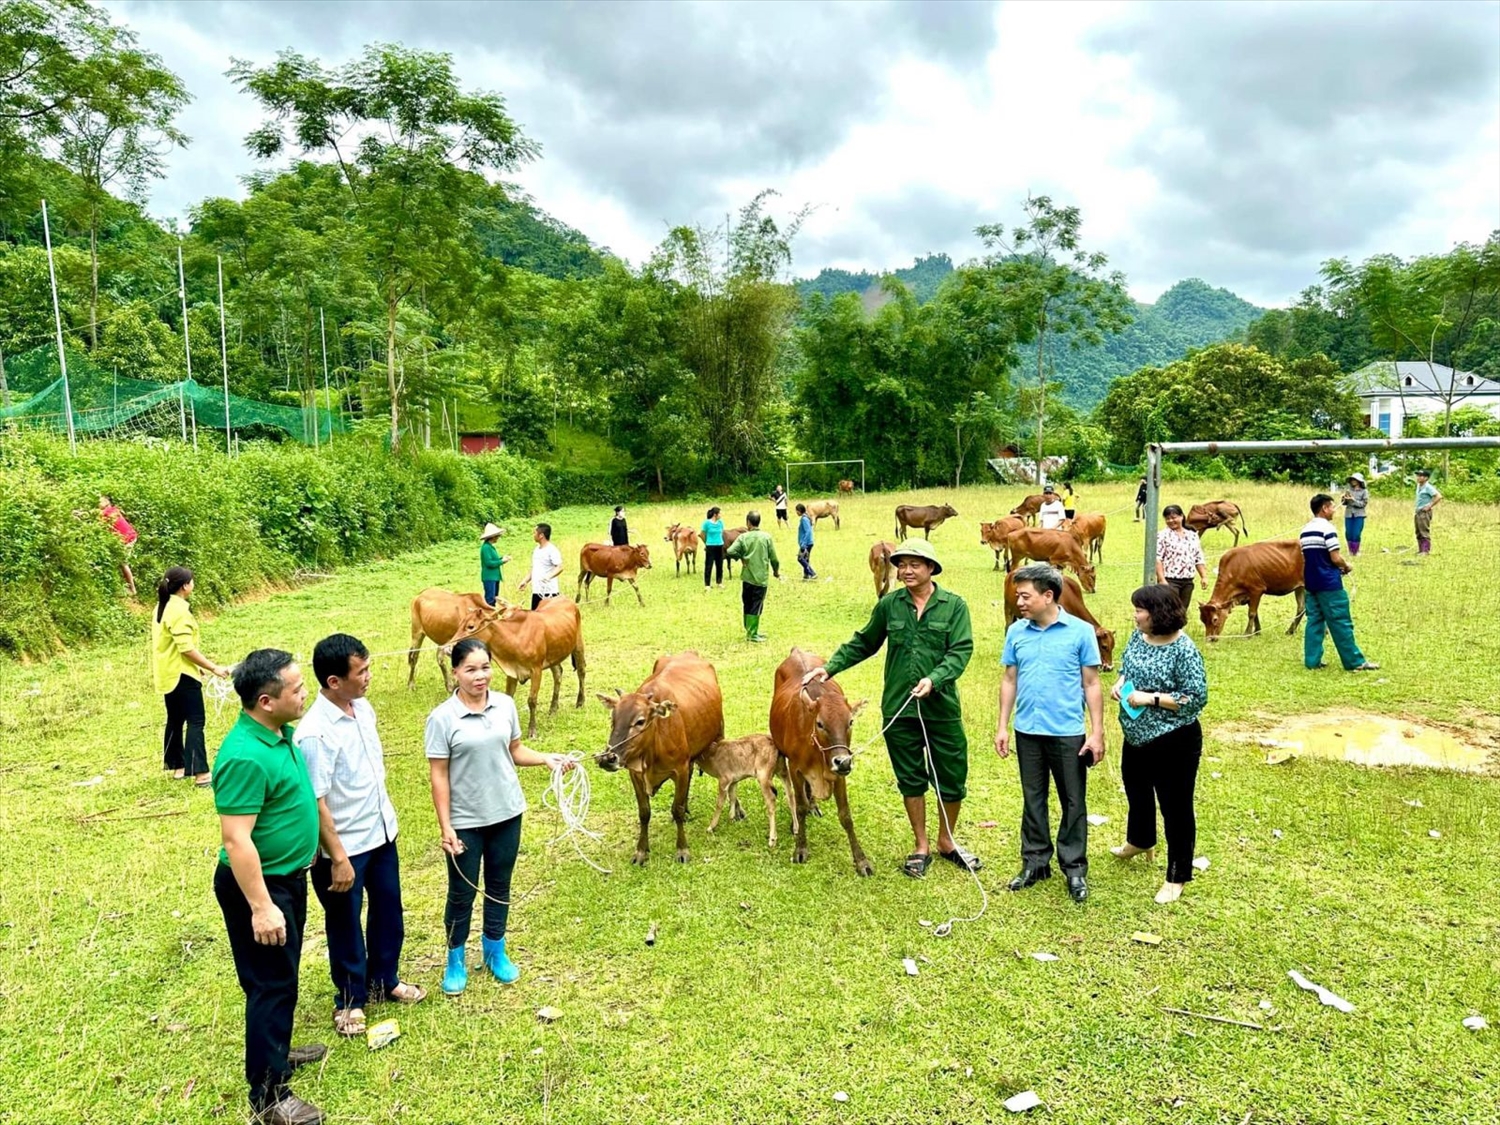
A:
x,y
919,549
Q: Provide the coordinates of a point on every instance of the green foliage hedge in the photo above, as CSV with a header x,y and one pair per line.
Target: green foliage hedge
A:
x,y
239,522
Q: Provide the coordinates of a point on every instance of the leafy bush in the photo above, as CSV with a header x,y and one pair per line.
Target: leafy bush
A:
x,y
583,486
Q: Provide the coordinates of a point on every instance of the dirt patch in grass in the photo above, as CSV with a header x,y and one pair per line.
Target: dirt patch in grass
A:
x,y
1365,739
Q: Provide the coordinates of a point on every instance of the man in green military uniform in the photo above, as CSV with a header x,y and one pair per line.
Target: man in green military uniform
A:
x,y
930,643
757,554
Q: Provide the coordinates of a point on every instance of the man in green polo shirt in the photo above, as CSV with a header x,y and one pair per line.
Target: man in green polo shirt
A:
x,y
757,554
929,641
268,818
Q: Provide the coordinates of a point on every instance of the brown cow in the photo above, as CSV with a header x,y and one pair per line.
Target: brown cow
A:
x,y
437,614
1072,601
730,535
1028,508
1248,573
846,486
812,726
684,541
1056,547
524,643
881,567
925,516
822,509
993,535
599,560
732,761
1088,529
1217,513
658,731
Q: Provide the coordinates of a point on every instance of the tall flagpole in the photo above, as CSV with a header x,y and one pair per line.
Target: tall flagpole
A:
x,y
224,356
323,335
187,348
62,355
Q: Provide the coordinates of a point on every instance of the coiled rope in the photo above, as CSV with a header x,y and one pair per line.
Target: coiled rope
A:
x,y
569,792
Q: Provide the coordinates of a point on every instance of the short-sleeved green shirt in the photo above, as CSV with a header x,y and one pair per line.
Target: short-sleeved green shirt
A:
x,y
756,551
489,563
937,646
261,773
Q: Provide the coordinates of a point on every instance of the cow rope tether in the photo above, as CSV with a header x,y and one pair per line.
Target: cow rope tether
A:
x,y
569,793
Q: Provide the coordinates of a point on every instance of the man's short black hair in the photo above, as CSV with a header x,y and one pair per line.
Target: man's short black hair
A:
x,y
802,509
618,509
545,529
1317,502
331,656
1164,604
1041,577
260,674
752,519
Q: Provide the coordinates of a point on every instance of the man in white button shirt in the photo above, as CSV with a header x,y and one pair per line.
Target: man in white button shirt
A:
x,y
356,835
546,565
1052,512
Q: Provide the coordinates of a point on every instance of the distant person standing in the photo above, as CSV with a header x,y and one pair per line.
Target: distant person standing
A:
x,y
1178,554
546,565
491,562
1356,500
177,666
619,534
713,547
778,497
1323,570
1428,498
1069,501
127,533
756,552
1051,514
1140,501
805,543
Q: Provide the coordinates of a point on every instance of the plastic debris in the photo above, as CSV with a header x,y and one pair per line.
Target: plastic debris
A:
x,y
1276,833
1476,1023
1434,833
1044,956
1021,1102
1415,803
97,779
943,930
1201,863
651,935
549,1014
1146,938
383,1034
1216,775
925,923
1265,1006
1279,757
1324,996
1096,819
840,1096
910,966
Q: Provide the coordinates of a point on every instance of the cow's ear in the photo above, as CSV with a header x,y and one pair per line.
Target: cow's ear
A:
x,y
608,700
807,700
856,709
664,708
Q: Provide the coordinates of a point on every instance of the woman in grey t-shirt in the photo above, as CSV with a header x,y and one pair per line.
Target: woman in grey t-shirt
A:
x,y
473,748
1356,499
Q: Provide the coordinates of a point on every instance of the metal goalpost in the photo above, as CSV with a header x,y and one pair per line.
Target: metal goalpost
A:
x,y
1156,452
790,465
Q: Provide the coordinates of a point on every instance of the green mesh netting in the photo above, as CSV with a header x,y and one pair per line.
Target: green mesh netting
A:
x,y
107,404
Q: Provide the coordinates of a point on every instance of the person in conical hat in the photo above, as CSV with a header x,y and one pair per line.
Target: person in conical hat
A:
x,y
491,562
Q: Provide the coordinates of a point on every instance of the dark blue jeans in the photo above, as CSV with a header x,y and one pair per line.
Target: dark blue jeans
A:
x,y
363,961
491,590
804,556
496,845
1354,530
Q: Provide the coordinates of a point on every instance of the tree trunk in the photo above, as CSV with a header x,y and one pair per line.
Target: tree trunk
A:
x,y
958,450
660,491
391,304
1041,399
4,386
94,278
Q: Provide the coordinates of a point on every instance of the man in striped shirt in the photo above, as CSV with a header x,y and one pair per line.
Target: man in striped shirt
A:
x,y
1323,570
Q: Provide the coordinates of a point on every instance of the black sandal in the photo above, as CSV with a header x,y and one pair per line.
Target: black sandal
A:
x,y
960,858
916,865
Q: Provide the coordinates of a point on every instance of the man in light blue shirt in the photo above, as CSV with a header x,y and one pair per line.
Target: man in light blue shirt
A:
x,y
1428,497
1051,663
805,543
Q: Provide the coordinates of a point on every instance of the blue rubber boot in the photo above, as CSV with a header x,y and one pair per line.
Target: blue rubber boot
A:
x,y
456,976
496,960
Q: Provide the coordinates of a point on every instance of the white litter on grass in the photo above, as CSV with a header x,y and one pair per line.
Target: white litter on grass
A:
x,y
1415,803
1021,1102
925,923
840,1096
1044,956
1434,833
1476,1023
1216,775
1096,819
97,779
1201,863
1265,1006
1276,833
911,967
1324,996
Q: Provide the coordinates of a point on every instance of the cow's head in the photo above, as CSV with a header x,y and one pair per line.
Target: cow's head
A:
x,y
640,557
1087,578
830,754
631,736
1106,641
672,530
477,620
1213,616
989,533
949,511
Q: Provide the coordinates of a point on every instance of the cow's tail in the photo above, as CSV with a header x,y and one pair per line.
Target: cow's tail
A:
x,y
1244,524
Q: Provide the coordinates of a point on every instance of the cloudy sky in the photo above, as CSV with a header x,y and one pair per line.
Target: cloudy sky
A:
x,y
1243,143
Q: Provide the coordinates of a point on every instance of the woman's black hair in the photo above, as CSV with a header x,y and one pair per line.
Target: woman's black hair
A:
x,y
1164,604
462,649
171,582
712,512
1171,510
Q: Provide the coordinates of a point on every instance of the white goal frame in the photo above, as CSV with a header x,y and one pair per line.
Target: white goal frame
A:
x,y
790,465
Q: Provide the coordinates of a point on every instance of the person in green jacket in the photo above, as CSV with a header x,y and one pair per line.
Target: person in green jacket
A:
x,y
490,562
756,551
929,640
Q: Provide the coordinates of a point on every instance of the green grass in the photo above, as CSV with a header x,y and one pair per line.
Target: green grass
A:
x,y
773,986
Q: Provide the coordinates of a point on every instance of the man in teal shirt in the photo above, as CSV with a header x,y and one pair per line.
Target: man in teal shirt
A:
x,y
756,551
1428,497
929,640
268,819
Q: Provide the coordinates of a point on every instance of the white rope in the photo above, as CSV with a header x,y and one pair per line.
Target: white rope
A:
x,y
569,793
221,690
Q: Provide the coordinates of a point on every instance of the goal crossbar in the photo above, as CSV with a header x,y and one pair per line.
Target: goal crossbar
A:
x,y
1156,452
860,461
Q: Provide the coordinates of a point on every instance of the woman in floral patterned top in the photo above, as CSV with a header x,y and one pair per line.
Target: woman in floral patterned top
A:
x,y
1178,554
1163,740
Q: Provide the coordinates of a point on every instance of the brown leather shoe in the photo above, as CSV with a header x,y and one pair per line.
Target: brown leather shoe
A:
x,y
299,1057
290,1110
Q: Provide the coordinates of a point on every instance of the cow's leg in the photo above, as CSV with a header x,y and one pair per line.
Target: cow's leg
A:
x,y
609,588
796,789
1300,593
444,669
637,590
556,687
713,824
926,533
534,689
736,810
768,791
862,865
411,661
581,667
1253,607
643,809
680,785
578,594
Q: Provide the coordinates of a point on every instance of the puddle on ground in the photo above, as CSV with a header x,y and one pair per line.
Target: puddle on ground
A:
x,y
1378,740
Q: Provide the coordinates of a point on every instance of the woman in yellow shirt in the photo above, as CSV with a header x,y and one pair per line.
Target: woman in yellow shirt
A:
x,y
178,668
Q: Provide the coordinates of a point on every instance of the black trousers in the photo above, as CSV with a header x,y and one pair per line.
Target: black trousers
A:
x,y
752,598
497,845
268,976
180,751
713,557
1040,757
538,599
1164,772
363,958
1184,588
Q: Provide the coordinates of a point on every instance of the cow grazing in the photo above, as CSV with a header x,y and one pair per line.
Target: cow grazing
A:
x,y
437,614
846,486
732,761
1088,529
656,733
684,541
1217,513
524,643
1056,547
1248,573
812,727
1072,601
993,536
599,560
881,567
925,516
1028,508
823,509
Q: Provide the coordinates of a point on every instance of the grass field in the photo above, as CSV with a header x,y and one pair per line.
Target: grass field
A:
x,y
772,986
